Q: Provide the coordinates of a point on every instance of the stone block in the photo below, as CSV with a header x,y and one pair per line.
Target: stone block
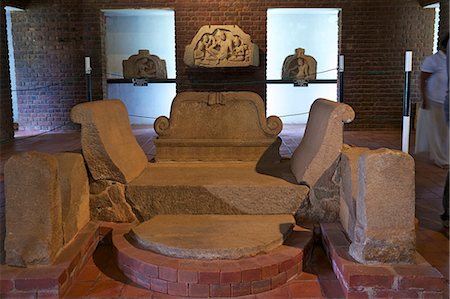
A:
x,y
211,188
348,170
384,230
109,146
108,203
74,186
221,46
34,233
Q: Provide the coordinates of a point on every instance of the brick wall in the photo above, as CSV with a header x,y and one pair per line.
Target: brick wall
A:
x,y
6,122
52,38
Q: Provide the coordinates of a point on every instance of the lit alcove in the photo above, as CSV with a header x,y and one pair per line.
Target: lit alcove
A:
x,y
316,31
127,32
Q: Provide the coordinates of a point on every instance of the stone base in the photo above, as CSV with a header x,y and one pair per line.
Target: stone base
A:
x,y
213,278
418,280
54,280
213,236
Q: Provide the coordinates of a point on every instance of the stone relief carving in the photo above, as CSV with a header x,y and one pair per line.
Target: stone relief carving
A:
x,y
145,66
299,66
221,46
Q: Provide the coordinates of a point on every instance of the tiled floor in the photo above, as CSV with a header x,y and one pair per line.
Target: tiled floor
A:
x,y
101,278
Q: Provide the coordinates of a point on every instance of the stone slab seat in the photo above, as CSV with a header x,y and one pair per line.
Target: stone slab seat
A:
x,y
212,188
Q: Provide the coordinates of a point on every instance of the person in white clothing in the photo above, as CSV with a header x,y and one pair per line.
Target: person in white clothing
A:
x,y
432,130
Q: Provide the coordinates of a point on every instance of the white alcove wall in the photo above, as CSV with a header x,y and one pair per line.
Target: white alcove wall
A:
x,y
128,31
315,30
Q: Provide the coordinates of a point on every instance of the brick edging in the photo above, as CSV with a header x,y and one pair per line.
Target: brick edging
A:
x,y
204,278
357,280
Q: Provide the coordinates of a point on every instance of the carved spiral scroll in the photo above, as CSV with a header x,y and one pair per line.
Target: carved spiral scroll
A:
x,y
274,125
162,125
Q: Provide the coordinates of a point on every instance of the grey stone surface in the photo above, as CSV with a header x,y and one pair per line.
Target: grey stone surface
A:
x,y
109,146
384,230
216,126
144,66
212,188
74,188
221,46
348,170
34,233
213,236
108,203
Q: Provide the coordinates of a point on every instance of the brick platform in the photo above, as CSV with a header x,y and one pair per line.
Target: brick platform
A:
x,y
213,278
54,280
419,280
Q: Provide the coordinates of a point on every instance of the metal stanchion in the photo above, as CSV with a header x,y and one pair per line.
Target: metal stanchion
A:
x,y
406,102
88,70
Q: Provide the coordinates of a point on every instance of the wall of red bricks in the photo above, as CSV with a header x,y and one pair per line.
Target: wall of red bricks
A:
x,y
52,37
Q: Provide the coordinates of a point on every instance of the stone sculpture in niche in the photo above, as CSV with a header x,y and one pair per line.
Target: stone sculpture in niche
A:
x,y
144,66
299,66
221,46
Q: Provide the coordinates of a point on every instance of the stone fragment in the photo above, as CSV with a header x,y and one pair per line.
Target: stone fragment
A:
x,y
213,236
221,46
33,210
299,66
109,146
108,203
314,162
212,188
74,186
144,66
384,230
348,171
216,126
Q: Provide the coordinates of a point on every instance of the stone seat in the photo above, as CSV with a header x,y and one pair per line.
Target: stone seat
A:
x,y
217,154
212,188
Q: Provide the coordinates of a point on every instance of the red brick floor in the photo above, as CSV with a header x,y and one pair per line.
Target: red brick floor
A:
x,y
101,278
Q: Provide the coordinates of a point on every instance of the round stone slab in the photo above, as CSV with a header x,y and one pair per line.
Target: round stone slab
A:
x,y
213,236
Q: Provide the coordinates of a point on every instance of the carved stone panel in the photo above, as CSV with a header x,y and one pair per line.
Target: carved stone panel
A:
x,y
221,46
299,66
144,65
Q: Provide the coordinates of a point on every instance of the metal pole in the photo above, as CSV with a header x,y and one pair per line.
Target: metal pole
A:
x,y
341,78
406,102
88,70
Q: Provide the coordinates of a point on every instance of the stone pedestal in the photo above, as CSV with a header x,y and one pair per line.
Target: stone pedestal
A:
x,y
74,187
384,230
34,233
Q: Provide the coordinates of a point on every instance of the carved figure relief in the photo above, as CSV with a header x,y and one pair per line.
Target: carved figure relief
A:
x,y
144,66
299,66
221,46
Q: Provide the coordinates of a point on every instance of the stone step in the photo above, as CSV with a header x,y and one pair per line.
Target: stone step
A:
x,y
213,278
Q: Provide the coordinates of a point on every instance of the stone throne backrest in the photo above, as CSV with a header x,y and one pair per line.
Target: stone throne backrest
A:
x,y
215,126
109,146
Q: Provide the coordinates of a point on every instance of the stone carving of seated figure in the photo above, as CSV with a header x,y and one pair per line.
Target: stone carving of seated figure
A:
x,y
221,46
299,66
